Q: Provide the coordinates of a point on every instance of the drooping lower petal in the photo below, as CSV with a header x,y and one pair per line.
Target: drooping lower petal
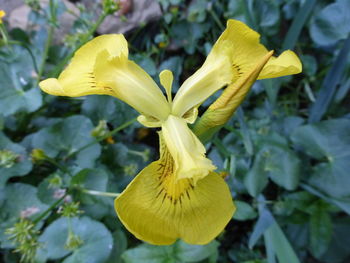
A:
x,y
159,209
186,150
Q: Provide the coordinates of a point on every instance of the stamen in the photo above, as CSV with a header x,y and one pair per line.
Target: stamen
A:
x,y
166,79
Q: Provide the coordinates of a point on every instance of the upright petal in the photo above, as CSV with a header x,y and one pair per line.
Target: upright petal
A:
x,y
212,76
186,150
158,208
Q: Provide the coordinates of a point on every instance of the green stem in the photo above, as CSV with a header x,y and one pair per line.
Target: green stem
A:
x,y
62,168
47,211
60,66
108,134
216,19
99,193
4,33
46,52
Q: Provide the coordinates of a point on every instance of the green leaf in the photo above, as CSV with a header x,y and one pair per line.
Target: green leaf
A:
x,y
264,222
21,166
329,143
120,245
244,211
16,93
297,25
278,163
282,166
67,136
330,84
107,108
47,193
280,244
19,199
176,253
266,14
331,24
320,231
146,63
256,179
96,247
338,251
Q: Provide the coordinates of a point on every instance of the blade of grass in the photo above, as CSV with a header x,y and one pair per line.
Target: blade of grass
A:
x,y
248,145
297,24
276,242
330,84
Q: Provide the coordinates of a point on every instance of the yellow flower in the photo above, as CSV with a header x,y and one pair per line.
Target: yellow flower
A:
x,y
178,196
2,14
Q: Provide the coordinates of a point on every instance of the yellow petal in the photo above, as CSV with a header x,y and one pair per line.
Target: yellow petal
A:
x,y
244,48
159,209
78,78
212,76
166,79
235,53
285,64
101,67
131,84
220,111
185,148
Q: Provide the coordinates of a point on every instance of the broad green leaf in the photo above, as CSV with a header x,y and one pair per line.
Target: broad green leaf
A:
x,y
107,108
176,253
256,179
16,80
96,247
338,251
91,179
19,167
48,193
146,63
329,143
68,136
282,166
244,211
276,162
20,200
320,231
120,245
266,14
331,24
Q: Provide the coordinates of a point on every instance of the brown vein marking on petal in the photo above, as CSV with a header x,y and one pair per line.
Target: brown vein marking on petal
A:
x,y
237,72
94,85
169,188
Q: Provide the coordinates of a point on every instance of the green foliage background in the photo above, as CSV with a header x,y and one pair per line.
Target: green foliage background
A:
x,y
287,149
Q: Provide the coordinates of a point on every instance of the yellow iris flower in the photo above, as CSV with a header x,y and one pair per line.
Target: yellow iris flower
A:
x,y
178,196
2,14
